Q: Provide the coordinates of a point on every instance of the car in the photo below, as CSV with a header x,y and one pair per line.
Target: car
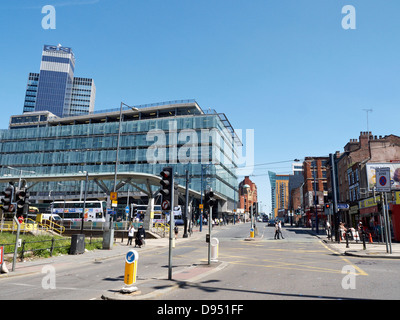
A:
x,y
271,222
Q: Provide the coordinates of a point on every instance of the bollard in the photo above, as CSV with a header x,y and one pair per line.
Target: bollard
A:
x,y
214,249
363,240
131,260
251,233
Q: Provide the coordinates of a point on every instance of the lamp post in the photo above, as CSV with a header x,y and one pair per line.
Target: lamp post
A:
x,y
119,135
20,174
84,200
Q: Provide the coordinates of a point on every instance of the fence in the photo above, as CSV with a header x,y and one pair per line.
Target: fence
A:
x,y
28,246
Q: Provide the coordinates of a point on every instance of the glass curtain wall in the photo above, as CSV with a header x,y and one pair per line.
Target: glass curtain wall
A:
x,y
92,148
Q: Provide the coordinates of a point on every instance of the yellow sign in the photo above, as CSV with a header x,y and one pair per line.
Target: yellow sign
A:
x,y
370,202
201,206
397,197
113,195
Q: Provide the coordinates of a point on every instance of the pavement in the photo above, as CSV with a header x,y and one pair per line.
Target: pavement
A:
x,y
356,249
147,289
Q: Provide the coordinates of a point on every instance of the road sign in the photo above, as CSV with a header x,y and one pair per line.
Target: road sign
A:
x,y
383,179
114,196
114,203
127,209
131,259
201,206
165,204
131,256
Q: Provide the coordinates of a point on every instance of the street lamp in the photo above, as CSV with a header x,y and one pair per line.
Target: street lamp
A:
x,y
84,200
119,135
249,193
20,174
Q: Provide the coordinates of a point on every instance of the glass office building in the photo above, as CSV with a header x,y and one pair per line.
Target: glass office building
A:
x,y
176,133
55,88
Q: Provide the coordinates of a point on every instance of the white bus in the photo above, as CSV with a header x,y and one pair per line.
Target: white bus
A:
x,y
178,219
95,211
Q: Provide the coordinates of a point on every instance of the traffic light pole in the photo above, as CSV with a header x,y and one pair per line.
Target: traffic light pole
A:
x,y
209,232
171,231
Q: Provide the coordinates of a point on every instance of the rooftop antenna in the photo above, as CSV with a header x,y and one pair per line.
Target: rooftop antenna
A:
x,y
367,110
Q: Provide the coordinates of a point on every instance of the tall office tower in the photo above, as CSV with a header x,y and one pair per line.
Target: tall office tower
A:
x,y
55,88
83,96
55,80
31,92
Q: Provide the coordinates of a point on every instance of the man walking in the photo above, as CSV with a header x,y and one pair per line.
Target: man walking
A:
x,y
276,230
280,229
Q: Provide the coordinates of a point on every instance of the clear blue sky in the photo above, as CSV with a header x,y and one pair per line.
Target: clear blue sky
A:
x,y
285,68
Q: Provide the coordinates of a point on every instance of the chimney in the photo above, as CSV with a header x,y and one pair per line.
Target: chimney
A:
x,y
364,138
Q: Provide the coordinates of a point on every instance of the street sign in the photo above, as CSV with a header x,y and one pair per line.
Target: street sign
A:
x,y
114,203
131,256
114,196
127,209
165,204
201,206
383,179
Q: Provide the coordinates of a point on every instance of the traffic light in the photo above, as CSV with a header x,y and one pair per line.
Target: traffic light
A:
x,y
327,206
21,198
8,199
209,199
166,187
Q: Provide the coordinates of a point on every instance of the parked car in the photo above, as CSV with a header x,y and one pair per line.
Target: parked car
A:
x,y
271,222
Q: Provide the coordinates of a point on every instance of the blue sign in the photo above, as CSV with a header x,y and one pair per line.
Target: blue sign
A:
x,y
131,256
127,209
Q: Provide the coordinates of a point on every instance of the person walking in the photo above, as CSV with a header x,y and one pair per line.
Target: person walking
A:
x,y
276,236
280,229
131,233
140,237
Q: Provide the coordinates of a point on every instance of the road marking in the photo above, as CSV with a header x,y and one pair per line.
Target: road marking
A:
x,y
361,272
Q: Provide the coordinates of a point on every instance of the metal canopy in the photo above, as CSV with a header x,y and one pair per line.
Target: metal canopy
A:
x,y
135,179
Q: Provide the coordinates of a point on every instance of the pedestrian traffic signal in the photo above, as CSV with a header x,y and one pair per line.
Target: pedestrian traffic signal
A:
x,y
8,198
166,187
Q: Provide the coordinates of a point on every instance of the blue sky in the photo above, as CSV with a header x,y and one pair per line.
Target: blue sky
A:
x,y
285,68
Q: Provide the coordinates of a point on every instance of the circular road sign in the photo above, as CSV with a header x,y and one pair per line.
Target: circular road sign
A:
x,y
131,256
165,204
382,181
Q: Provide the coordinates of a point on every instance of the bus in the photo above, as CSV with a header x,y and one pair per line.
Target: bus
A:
x,y
178,219
95,211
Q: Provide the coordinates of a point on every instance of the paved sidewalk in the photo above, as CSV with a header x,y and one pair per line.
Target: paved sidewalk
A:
x,y
147,289
373,250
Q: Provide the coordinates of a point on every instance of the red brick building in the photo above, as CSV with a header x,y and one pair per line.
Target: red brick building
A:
x,y
246,200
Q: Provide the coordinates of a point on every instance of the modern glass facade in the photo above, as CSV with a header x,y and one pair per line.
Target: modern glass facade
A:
x,y
180,135
55,88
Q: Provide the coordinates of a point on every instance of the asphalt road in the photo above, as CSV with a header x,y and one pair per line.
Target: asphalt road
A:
x,y
300,266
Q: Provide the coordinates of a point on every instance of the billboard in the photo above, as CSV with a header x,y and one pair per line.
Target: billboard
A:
x,y
394,174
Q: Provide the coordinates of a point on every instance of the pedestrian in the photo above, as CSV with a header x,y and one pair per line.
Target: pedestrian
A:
x,y
131,233
140,237
328,229
280,229
276,236
176,230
